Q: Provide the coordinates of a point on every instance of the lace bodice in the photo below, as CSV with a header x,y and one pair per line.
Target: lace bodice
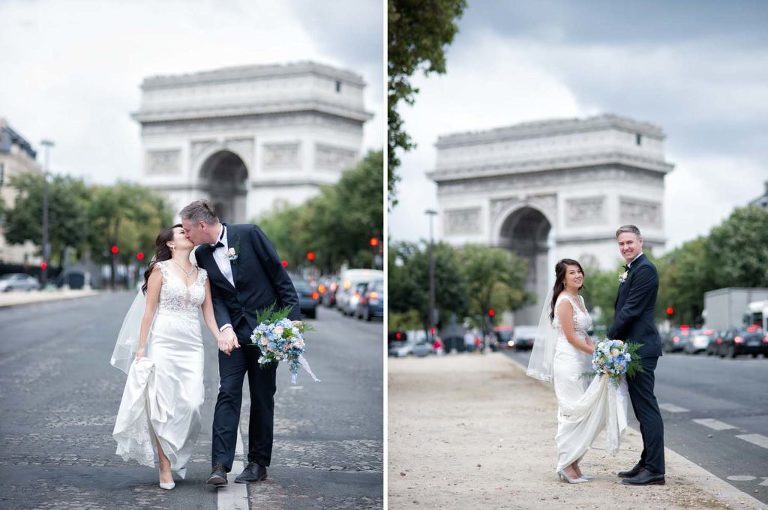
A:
x,y
175,296
582,321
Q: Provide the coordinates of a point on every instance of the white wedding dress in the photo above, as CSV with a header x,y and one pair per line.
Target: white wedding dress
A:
x,y
164,391
587,405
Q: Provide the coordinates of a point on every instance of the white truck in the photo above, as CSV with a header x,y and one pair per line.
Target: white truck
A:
x,y
758,313
730,307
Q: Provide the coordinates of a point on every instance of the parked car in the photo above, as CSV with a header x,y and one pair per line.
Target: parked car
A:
x,y
714,346
736,341
503,338
676,339
18,281
371,301
699,340
308,298
422,348
401,343
327,289
349,280
523,337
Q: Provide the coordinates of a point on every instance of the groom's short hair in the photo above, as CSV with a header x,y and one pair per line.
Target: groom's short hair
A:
x,y
199,210
629,229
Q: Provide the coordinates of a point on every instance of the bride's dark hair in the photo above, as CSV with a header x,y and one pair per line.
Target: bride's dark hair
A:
x,y
560,268
162,252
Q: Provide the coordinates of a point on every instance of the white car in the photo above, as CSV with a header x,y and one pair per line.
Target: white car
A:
x,y
346,301
18,281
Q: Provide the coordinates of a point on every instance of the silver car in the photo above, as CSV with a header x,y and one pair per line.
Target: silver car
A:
x,y
18,281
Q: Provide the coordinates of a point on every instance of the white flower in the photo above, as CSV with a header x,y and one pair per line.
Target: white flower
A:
x,y
232,252
623,276
279,331
264,341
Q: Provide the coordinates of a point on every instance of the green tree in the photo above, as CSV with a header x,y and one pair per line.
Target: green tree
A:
x,y
600,290
495,279
408,280
418,33
739,249
67,213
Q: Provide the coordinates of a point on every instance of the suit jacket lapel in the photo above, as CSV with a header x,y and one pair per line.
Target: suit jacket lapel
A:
x,y
233,242
213,267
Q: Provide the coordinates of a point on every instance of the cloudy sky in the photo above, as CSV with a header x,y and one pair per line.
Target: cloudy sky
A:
x,y
71,69
698,69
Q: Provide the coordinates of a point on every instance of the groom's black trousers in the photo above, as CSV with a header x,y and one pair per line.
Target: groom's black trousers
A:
x,y
261,382
647,412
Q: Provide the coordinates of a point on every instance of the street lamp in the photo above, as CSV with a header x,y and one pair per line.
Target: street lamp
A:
x,y
431,213
47,144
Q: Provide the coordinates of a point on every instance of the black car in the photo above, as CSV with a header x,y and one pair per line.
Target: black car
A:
x,y
737,341
308,298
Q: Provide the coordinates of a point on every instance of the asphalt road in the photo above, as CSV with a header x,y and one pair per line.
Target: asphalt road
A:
x,y
59,397
715,414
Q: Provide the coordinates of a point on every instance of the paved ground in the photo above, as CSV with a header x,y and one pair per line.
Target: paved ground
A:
x,y
472,431
59,397
715,414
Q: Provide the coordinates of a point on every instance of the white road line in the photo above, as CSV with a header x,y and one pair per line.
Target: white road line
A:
x,y
741,478
758,439
672,408
234,495
765,481
714,424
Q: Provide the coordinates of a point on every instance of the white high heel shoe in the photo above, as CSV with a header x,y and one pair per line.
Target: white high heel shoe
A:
x,y
168,485
567,479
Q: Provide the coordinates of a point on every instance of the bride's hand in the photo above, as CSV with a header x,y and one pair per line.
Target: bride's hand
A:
x,y
139,353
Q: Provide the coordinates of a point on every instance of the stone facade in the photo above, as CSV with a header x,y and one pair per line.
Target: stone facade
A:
x,y
17,156
250,138
553,189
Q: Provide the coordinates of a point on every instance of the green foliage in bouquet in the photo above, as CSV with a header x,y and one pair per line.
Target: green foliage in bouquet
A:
x,y
634,366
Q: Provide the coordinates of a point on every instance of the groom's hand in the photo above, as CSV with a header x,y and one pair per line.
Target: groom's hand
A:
x,y
229,335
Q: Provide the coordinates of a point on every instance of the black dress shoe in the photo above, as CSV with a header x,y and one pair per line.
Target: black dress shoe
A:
x,y
218,476
644,477
632,472
253,472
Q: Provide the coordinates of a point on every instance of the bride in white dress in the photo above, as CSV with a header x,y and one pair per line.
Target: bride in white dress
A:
x,y
160,347
562,354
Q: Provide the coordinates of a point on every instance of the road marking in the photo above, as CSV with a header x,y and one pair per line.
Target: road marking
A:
x,y
714,424
764,482
234,495
741,478
672,408
758,439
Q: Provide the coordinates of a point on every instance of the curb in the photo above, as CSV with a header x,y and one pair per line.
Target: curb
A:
x,y
43,297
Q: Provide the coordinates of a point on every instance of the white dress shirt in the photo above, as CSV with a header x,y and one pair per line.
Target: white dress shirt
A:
x,y
221,256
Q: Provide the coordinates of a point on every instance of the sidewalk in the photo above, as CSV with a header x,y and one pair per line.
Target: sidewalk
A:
x,y
25,298
473,431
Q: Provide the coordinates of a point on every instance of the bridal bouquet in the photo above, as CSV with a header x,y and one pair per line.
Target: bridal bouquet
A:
x,y
615,359
280,339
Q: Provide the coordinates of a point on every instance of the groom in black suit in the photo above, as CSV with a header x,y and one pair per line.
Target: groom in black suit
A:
x,y
246,276
634,322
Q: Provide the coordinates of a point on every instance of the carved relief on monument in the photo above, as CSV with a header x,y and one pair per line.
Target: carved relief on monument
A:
x,y
640,212
197,148
328,157
545,203
281,156
163,162
585,211
462,221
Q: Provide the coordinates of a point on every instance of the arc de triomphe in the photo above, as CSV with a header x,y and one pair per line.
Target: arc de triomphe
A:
x,y
552,189
250,138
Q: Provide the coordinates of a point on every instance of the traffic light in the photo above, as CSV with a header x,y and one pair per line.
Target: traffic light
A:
x,y
670,312
491,313
140,255
374,242
310,256
284,263
43,266
114,250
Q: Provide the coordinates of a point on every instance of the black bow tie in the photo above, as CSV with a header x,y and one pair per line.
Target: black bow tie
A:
x,y
626,268
218,245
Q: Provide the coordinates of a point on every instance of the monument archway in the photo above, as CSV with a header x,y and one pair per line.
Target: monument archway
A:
x,y
224,176
526,231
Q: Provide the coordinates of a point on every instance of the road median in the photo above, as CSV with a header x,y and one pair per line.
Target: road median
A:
x,y
472,431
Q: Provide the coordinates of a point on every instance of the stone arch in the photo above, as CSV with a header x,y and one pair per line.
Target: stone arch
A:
x,y
223,176
528,232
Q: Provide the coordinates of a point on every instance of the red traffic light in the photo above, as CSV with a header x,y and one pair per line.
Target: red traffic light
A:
x,y
43,266
284,263
115,250
398,335
310,256
670,311
140,255
374,242
491,312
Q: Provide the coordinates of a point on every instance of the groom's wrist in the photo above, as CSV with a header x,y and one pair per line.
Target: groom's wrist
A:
x,y
225,326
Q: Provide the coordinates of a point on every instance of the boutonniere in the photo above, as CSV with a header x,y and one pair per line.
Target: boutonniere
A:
x,y
234,253
623,276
